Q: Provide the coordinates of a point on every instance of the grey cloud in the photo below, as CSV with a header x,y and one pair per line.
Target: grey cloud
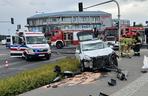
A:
x,y
6,2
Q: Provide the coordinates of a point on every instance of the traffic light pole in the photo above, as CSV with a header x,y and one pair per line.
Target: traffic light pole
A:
x,y
11,21
119,27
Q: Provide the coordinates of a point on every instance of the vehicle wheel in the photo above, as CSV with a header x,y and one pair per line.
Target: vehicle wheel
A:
x,y
59,45
113,61
27,57
82,67
48,56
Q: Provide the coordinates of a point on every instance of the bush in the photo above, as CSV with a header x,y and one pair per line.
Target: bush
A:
x,y
38,77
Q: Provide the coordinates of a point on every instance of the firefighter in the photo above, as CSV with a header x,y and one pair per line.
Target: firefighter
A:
x,y
122,45
137,45
128,45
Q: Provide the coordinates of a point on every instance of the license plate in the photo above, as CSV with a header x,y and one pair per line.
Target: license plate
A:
x,y
42,55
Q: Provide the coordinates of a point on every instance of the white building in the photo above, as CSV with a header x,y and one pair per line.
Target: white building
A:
x,y
69,20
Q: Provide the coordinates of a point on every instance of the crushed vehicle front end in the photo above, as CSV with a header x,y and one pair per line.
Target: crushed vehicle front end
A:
x,y
99,58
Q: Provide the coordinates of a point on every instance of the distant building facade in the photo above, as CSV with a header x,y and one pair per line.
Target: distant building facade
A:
x,y
123,22
69,20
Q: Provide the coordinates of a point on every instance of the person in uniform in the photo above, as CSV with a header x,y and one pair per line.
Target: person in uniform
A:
x,y
128,45
137,45
122,45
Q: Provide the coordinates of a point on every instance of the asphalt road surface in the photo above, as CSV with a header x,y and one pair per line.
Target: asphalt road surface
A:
x,y
16,65
133,66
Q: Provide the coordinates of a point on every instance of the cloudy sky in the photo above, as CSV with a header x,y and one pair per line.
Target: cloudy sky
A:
x,y
133,10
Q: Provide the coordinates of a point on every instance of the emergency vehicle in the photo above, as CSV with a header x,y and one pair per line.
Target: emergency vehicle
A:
x,y
29,45
61,38
111,34
111,37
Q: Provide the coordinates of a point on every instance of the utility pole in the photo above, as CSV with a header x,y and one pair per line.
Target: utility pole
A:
x,y
119,27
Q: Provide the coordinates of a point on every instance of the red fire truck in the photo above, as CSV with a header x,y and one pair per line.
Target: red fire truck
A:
x,y
111,34
113,31
61,38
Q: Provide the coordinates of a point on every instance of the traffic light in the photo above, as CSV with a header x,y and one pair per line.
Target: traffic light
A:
x,y
18,27
12,20
80,7
117,24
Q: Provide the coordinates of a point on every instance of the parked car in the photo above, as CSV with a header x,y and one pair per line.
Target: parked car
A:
x,y
3,42
95,54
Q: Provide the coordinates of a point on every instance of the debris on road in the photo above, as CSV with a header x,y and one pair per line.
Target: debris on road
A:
x,y
145,65
112,82
102,94
84,78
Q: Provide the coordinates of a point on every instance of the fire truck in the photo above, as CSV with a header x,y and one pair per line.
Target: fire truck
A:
x,y
111,34
61,38
111,37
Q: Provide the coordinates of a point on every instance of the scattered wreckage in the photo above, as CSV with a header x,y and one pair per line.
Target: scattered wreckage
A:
x,y
94,55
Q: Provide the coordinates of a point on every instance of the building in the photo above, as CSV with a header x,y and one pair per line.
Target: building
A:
x,y
123,22
69,21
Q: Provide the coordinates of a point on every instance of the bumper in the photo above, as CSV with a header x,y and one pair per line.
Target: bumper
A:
x,y
97,62
41,55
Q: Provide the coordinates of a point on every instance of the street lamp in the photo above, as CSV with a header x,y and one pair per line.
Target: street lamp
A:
x,y
119,29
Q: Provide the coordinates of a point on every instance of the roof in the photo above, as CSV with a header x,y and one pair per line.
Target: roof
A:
x,y
69,13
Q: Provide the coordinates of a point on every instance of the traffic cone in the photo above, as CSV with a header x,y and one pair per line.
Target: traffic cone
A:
x,y
6,64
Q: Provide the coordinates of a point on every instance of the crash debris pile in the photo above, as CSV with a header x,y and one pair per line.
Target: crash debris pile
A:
x,y
84,78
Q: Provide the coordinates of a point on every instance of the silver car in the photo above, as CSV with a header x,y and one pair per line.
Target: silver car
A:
x,y
95,54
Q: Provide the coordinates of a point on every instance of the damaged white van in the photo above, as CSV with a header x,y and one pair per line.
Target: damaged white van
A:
x,y
95,54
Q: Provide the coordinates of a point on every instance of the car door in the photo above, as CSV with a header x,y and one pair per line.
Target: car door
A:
x,y
16,47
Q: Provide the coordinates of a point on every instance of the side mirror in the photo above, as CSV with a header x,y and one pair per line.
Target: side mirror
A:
x,y
77,51
110,46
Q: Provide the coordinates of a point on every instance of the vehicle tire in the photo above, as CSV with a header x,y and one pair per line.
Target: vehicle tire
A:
x,y
82,67
59,45
113,61
26,57
48,56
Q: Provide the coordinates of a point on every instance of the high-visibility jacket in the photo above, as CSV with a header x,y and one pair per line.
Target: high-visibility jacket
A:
x,y
128,41
122,41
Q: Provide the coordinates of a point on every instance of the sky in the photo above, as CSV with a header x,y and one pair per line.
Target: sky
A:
x,y
133,10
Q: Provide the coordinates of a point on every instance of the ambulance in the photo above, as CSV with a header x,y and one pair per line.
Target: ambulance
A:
x,y
30,45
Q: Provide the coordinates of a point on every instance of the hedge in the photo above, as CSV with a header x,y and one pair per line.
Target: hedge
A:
x,y
28,80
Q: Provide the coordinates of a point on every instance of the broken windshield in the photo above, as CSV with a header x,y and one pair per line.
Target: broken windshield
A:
x,y
92,46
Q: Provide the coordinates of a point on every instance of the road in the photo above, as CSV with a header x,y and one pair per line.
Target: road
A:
x,y
133,66
16,65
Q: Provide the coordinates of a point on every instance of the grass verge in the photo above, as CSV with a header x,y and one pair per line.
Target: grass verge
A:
x,y
28,80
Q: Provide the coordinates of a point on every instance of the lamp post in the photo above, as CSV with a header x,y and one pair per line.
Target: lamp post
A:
x,y
119,29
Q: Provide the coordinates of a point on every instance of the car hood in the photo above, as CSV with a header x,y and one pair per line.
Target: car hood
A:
x,y
99,52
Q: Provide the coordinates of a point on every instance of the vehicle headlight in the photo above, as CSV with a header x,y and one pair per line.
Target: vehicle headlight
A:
x,y
87,57
30,50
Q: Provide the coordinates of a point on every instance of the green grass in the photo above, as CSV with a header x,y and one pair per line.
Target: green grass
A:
x,y
29,80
